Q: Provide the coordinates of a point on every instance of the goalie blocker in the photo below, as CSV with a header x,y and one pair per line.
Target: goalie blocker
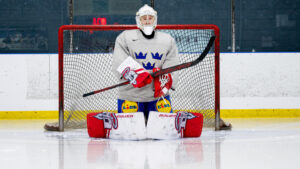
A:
x,y
132,125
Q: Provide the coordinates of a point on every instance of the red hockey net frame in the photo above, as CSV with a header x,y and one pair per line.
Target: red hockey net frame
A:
x,y
128,27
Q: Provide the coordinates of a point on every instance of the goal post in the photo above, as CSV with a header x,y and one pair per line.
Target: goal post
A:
x,y
85,65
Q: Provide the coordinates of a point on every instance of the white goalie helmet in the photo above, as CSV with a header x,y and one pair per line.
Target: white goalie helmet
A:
x,y
146,10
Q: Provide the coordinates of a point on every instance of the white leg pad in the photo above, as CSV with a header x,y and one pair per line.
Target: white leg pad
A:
x,y
162,126
130,126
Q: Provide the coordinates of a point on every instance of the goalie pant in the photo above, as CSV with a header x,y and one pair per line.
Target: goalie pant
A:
x,y
132,125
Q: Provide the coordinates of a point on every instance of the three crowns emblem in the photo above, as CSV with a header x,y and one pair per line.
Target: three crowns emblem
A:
x,y
148,65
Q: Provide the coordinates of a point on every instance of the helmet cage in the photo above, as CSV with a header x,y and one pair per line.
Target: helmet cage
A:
x,y
146,10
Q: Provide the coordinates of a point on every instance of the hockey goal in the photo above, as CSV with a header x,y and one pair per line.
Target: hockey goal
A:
x,y
85,60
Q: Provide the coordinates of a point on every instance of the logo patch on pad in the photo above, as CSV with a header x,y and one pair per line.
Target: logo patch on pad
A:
x,y
129,106
163,106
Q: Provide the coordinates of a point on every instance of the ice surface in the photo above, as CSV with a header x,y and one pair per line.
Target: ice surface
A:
x,y
252,143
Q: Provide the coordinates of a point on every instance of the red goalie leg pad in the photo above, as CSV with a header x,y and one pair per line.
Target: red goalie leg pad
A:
x,y
95,125
194,125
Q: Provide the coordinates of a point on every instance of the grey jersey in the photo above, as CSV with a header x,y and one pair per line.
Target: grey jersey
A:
x,y
159,51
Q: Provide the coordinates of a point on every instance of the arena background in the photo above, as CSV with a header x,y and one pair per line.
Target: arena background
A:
x,y
261,26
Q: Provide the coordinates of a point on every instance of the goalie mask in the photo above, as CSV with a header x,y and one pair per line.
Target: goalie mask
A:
x,y
146,19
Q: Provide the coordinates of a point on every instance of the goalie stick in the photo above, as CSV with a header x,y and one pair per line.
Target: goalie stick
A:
x,y
166,70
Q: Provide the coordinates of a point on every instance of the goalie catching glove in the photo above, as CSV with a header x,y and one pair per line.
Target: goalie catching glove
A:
x,y
134,73
162,84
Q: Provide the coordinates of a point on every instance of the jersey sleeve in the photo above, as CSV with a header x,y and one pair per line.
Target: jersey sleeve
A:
x,y
120,54
172,59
